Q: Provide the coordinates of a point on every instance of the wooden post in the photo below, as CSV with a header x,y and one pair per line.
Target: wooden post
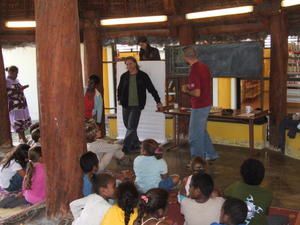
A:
x,y
61,100
278,74
186,37
5,135
186,34
93,55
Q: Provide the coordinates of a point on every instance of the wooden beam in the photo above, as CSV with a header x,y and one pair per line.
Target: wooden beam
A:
x,y
169,7
5,135
278,74
93,56
186,35
60,100
236,28
91,47
16,38
130,33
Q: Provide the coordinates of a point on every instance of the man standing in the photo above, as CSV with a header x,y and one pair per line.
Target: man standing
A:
x,y
199,89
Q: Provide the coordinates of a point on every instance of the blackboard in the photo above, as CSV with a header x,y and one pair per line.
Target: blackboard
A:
x,y
242,60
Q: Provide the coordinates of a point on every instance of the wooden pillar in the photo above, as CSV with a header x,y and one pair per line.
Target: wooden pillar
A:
x,y
60,100
5,135
93,55
278,74
186,34
186,37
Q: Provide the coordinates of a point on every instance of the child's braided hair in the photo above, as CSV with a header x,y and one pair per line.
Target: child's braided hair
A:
x,y
128,196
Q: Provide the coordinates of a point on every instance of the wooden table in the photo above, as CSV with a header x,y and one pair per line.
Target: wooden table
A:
x,y
236,117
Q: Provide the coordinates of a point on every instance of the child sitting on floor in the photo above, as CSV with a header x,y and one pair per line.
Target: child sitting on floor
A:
x,y
31,129
201,208
34,187
125,211
35,138
151,170
234,212
12,169
89,165
105,151
34,184
152,207
91,209
198,165
257,198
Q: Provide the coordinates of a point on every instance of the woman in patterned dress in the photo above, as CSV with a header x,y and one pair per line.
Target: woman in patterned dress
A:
x,y
17,105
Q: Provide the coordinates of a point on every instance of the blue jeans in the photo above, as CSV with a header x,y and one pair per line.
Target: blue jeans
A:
x,y
15,183
131,118
166,184
200,142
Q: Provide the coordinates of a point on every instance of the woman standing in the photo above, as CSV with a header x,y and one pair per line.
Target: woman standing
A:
x,y
132,96
147,52
17,105
93,102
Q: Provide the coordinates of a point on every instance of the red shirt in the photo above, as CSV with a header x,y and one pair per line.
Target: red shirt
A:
x,y
88,105
200,78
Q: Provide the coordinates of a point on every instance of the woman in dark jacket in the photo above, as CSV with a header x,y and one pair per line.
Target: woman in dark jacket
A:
x,y
132,96
147,52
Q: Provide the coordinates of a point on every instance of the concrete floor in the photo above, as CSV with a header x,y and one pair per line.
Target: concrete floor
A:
x,y
282,172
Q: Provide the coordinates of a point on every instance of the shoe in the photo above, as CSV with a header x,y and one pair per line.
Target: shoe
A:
x,y
134,151
125,150
125,161
211,160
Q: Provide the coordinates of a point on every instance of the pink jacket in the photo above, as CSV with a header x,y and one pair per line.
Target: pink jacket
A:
x,y
37,193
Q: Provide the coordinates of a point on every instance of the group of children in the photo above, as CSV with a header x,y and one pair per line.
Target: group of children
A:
x,y
145,200
22,174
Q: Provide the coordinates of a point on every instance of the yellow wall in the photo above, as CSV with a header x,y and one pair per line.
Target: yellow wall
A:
x,y
112,127
219,133
292,147
126,54
236,134
224,92
169,128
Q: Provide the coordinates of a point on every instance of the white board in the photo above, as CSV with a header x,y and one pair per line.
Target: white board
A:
x,y
152,123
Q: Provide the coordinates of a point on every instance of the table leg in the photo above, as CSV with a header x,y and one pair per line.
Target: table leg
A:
x,y
174,130
251,136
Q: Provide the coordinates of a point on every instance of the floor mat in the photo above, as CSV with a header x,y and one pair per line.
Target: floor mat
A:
x,y
19,214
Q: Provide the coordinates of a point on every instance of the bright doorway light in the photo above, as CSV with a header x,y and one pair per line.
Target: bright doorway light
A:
x,y
287,3
219,12
134,20
20,24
